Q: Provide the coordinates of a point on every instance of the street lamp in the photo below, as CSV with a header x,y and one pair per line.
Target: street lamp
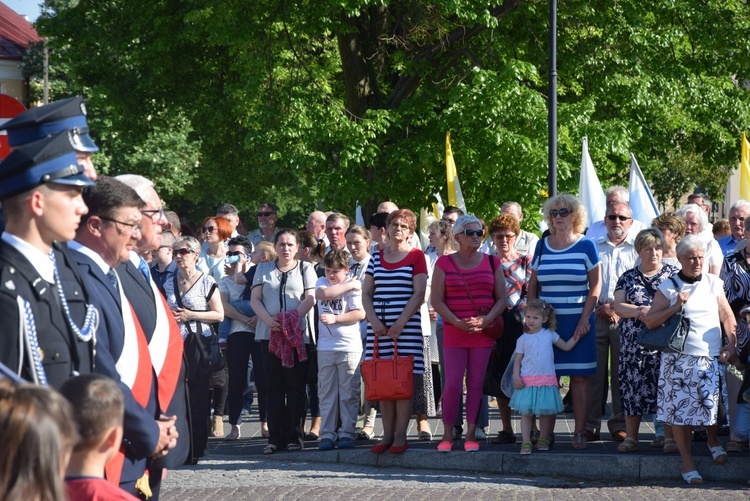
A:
x,y
552,100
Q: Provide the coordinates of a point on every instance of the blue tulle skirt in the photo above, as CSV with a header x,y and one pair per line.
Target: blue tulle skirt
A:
x,y
537,400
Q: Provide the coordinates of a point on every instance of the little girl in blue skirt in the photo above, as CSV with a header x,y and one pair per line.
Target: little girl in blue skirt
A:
x,y
536,392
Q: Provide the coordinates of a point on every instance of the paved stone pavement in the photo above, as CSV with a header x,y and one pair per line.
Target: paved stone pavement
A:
x,y
230,477
238,470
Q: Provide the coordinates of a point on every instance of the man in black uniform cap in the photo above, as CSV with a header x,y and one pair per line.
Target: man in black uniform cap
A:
x,y
43,121
48,327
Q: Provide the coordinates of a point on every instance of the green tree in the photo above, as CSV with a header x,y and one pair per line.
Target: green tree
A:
x,y
306,103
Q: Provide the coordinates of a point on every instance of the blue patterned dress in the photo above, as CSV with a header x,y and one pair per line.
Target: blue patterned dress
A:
x,y
639,368
563,282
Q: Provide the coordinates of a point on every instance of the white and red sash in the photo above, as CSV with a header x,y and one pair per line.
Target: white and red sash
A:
x,y
134,367
166,345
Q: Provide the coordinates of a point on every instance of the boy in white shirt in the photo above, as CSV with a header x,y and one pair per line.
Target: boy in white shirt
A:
x,y
339,351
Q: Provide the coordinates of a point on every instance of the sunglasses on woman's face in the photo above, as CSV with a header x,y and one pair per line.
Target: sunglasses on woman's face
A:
x,y
183,252
562,213
475,233
209,229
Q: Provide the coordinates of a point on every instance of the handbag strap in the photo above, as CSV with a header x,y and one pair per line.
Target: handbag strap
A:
x,y
375,350
468,290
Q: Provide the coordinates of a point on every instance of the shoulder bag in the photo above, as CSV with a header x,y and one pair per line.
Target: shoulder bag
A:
x,y
495,328
388,378
669,337
209,350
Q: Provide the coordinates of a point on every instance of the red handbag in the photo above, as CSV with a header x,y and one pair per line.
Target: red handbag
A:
x,y
388,378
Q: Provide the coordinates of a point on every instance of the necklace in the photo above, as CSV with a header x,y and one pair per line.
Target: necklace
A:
x,y
649,273
185,281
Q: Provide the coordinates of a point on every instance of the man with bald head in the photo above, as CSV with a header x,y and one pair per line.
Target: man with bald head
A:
x,y
598,229
387,207
316,225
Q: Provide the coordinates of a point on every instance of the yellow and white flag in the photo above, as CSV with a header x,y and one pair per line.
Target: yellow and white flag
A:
x,y
455,197
745,169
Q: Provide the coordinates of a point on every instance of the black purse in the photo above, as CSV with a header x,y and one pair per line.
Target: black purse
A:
x,y
670,337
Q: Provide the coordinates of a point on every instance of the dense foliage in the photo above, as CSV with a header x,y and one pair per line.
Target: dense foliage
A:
x,y
322,103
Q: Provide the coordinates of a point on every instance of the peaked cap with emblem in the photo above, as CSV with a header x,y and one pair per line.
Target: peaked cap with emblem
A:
x,y
49,160
42,121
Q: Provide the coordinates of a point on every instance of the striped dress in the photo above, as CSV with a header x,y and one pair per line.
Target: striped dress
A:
x,y
563,282
394,288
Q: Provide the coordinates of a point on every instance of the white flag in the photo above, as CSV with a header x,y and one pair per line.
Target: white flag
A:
x,y
641,200
590,191
358,215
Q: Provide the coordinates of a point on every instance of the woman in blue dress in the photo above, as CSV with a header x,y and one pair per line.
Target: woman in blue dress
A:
x,y
566,274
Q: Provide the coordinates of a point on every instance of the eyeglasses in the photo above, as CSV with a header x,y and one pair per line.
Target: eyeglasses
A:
x,y
265,214
475,233
235,253
183,252
509,236
150,213
615,217
562,213
208,229
132,227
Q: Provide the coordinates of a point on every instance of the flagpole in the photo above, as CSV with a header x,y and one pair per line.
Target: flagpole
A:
x,y
552,100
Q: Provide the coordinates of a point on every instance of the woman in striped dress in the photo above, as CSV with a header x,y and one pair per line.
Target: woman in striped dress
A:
x,y
566,274
392,293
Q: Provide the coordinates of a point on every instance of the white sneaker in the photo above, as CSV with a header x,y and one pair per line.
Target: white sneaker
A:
x,y
480,434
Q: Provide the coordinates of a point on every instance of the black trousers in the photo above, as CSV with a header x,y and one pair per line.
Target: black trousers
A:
x,y
286,399
240,347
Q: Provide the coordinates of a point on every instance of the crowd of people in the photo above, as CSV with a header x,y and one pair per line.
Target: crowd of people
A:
x,y
130,334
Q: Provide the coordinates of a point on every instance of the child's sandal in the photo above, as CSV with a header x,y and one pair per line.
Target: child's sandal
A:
x,y
543,444
526,448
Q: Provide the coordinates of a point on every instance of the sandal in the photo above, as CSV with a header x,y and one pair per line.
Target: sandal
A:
x,y
580,442
719,454
657,443
293,447
692,477
543,444
628,445
670,446
526,448
269,449
504,437
734,446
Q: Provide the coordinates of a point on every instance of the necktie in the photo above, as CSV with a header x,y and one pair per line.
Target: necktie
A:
x,y
112,278
144,269
92,316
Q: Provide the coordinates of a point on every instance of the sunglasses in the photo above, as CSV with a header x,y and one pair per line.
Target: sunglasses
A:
x,y
562,213
614,217
209,229
183,252
235,253
266,214
504,237
474,233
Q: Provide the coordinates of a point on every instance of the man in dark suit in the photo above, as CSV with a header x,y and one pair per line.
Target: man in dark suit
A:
x,y
159,325
103,241
48,332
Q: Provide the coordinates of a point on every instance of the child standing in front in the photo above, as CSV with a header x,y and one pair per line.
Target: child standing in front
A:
x,y
339,351
534,379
